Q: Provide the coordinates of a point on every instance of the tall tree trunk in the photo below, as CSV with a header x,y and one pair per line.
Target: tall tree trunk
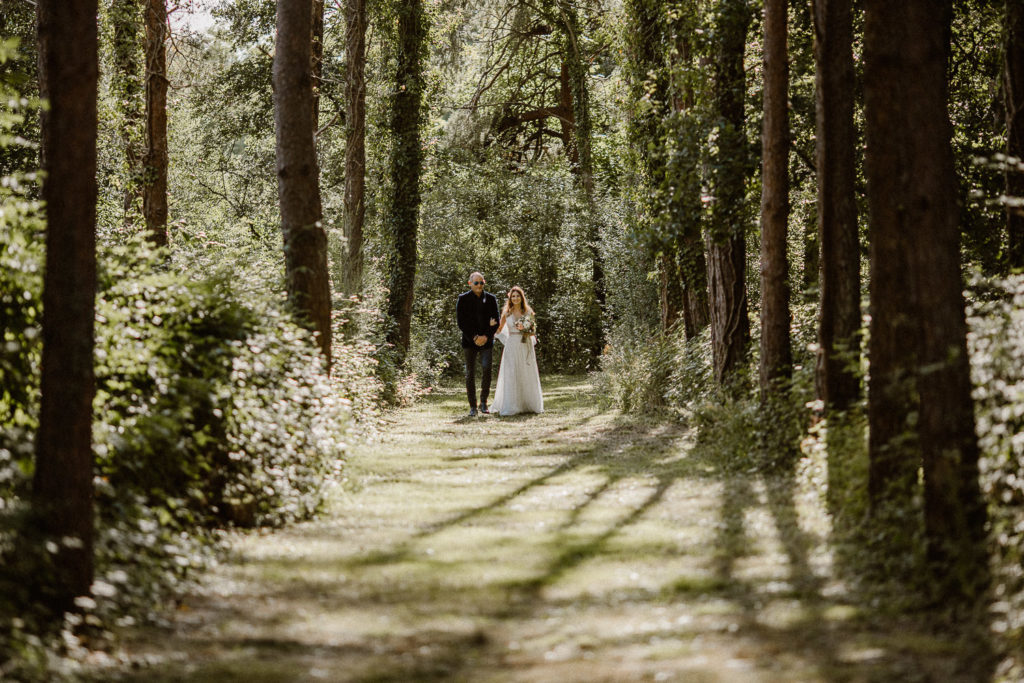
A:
x,y
730,324
154,195
583,145
776,356
355,143
62,488
686,174
1013,89
919,363
127,48
298,190
406,160
648,88
838,377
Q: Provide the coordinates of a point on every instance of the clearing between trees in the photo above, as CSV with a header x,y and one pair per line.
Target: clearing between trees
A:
x,y
577,545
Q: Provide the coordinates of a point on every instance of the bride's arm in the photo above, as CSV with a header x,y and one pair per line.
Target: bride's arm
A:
x,y
501,325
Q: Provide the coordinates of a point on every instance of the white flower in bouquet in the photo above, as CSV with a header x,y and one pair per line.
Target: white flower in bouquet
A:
x,y
527,325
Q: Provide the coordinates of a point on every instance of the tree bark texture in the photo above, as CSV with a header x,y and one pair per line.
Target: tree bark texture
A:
x,y
776,355
726,236
406,160
920,408
154,194
298,191
355,144
1013,94
128,48
838,376
62,488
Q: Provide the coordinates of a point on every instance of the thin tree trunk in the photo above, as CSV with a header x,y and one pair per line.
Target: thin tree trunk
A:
x,y
305,243
838,377
62,488
406,161
154,195
920,384
730,324
317,59
776,356
811,257
355,143
567,120
1013,93
671,292
126,17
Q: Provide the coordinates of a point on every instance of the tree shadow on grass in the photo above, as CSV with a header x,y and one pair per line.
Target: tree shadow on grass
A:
x,y
846,634
835,632
423,656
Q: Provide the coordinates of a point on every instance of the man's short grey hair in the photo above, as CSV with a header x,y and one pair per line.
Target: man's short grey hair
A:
x,y
474,274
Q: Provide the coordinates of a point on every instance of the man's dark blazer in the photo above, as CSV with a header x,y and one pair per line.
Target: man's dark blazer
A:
x,y
473,314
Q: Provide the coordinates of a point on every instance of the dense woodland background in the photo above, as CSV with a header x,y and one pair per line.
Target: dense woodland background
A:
x,y
757,217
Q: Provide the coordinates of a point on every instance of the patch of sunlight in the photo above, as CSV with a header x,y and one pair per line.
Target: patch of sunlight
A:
x,y
840,612
784,614
601,576
762,572
857,655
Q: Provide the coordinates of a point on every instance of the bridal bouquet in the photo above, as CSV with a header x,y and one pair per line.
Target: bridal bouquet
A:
x,y
527,325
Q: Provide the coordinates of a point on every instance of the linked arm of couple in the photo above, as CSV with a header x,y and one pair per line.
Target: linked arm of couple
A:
x,y
481,339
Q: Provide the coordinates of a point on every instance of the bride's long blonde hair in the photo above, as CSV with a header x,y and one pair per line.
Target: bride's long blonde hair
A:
x,y
508,302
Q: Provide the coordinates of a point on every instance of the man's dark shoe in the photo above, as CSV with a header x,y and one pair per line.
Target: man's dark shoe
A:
x,y
484,410
472,412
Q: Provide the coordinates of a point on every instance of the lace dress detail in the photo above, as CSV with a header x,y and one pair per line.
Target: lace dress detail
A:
x,y
518,389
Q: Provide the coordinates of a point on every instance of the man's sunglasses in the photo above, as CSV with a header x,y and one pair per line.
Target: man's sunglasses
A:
x,y
477,282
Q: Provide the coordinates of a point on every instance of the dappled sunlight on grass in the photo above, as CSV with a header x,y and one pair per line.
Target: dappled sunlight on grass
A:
x,y
579,544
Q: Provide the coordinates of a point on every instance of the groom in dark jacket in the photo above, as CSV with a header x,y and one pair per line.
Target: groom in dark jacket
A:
x,y
477,316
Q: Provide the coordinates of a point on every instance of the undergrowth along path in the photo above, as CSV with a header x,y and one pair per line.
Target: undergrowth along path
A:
x,y
576,545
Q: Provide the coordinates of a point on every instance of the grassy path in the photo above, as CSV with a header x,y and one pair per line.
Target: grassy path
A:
x,y
577,545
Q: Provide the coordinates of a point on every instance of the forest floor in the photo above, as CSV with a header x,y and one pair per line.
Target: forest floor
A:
x,y
576,545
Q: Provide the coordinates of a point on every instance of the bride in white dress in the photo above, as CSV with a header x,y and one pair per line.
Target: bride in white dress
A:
x,y
518,389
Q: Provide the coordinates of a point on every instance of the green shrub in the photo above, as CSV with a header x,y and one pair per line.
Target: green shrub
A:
x,y
996,341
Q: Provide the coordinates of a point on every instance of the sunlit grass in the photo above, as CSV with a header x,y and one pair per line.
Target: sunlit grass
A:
x,y
579,544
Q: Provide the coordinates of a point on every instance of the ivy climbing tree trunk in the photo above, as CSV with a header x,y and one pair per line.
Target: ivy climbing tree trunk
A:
x,y
776,356
920,408
648,90
839,319
298,191
355,144
584,165
62,486
406,159
1013,96
726,236
684,169
154,193
127,48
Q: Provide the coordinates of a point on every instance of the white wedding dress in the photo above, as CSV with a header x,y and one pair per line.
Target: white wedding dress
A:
x,y
518,388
